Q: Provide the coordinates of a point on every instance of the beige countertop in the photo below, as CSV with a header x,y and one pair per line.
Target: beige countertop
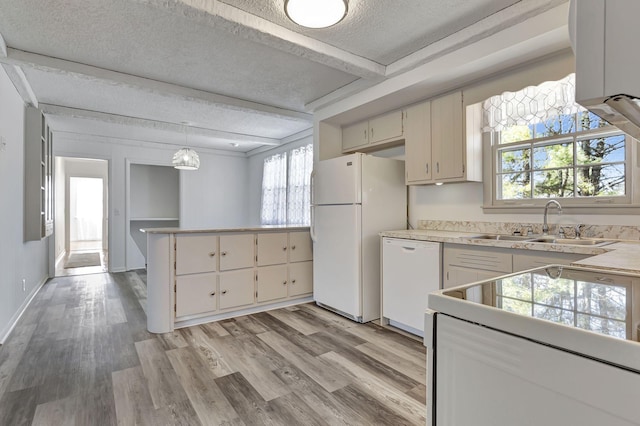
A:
x,y
224,230
620,256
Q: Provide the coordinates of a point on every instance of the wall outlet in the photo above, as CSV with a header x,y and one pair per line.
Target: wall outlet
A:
x,y
24,284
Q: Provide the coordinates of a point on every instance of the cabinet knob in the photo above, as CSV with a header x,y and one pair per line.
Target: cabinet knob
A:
x,y
213,294
427,168
224,253
224,291
293,281
213,253
284,283
284,248
293,247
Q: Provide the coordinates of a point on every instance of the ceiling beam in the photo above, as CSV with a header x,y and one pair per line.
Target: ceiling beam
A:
x,y
499,21
3,47
20,82
153,124
251,27
180,94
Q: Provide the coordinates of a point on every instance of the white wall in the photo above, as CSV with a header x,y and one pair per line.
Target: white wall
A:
x,y
60,208
255,176
154,192
212,197
18,260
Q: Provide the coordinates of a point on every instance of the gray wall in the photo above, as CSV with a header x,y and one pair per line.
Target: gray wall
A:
x,y
18,260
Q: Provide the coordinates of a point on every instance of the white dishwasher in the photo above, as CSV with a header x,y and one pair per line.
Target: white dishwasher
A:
x,y
410,271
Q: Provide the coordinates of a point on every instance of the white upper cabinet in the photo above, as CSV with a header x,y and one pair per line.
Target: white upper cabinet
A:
x,y
418,143
437,148
374,133
447,141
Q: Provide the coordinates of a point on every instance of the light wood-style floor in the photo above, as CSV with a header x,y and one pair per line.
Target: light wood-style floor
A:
x,y
81,355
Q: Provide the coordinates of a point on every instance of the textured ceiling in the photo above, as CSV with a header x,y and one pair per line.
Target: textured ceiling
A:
x,y
236,70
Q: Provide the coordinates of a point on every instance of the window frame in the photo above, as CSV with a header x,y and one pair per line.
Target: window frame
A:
x,y
572,138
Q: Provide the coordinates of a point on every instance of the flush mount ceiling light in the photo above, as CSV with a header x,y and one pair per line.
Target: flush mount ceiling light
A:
x,y
316,13
186,158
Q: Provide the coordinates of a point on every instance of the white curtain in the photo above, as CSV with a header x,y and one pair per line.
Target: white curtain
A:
x,y
299,190
274,190
531,105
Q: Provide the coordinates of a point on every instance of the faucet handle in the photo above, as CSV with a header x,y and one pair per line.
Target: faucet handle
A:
x,y
578,228
561,233
529,231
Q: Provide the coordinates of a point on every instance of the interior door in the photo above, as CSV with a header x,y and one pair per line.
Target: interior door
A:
x,y
336,257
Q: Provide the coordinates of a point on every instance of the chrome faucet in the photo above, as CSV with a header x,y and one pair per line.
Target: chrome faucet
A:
x,y
545,226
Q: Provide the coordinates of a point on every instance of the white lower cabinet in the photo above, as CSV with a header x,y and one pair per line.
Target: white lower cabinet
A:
x,y
271,283
463,264
485,377
300,278
236,289
215,274
196,293
196,253
530,260
236,251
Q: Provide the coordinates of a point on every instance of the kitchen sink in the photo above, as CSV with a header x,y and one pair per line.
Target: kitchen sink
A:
x,y
502,237
570,241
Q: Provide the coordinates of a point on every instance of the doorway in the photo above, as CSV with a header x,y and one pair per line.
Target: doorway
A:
x,y
81,216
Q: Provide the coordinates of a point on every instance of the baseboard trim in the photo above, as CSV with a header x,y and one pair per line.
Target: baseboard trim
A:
x,y
118,270
4,334
59,258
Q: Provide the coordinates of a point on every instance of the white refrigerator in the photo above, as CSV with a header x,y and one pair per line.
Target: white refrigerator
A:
x,y
354,197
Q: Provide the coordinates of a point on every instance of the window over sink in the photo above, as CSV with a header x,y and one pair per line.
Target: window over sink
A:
x,y
546,146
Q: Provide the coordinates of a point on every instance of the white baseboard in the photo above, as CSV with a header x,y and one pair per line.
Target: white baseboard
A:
x,y
4,334
60,257
118,270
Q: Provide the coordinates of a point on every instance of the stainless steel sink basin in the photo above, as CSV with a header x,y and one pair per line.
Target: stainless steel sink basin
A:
x,y
570,241
502,237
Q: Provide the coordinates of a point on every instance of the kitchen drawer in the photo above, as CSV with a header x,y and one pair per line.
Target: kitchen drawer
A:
x,y
485,258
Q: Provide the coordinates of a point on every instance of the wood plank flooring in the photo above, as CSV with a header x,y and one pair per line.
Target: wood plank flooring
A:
x,y
81,355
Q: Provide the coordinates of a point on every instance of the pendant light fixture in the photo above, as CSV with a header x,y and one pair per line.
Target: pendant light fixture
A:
x,y
316,13
186,158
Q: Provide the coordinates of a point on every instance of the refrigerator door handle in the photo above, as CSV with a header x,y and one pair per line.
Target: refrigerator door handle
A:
x,y
312,207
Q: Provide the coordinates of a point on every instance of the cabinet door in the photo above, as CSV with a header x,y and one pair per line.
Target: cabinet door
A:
x,y
417,143
236,289
196,253
196,294
300,278
300,247
271,283
236,251
447,136
272,248
355,135
385,127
